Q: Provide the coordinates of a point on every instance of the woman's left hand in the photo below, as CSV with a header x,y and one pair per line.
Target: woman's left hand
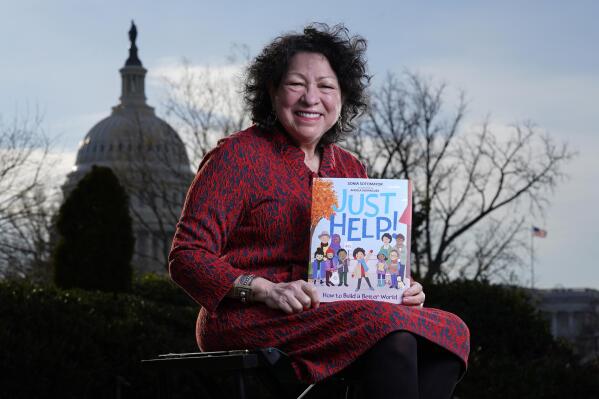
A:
x,y
413,296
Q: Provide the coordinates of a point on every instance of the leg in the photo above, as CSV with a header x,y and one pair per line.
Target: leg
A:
x,y
389,369
438,370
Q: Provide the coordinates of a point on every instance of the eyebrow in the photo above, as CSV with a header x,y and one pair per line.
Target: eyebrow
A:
x,y
318,78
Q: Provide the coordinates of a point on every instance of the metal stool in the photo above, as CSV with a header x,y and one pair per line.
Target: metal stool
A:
x,y
268,369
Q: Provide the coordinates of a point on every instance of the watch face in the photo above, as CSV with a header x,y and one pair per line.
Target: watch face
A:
x,y
244,293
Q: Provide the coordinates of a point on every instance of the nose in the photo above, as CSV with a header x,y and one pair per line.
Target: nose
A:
x,y
311,95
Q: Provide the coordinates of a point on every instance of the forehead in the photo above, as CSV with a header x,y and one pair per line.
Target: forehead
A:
x,y
314,64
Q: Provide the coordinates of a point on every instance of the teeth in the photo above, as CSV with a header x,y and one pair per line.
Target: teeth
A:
x,y
309,114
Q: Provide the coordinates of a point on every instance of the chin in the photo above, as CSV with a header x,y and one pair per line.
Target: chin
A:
x,y
307,136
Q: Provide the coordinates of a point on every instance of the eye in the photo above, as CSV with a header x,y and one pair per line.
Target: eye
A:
x,y
294,83
328,85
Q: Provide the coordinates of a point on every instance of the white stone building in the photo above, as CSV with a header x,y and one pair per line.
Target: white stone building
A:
x,y
150,160
573,315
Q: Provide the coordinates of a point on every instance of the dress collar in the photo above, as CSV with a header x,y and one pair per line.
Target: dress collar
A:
x,y
295,156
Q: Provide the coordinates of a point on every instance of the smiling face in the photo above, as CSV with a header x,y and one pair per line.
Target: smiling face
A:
x,y
308,99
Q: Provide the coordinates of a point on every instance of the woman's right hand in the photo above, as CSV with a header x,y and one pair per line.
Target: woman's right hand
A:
x,y
293,297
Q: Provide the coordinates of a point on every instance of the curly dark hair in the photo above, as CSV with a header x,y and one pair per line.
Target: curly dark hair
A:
x,y
346,55
359,250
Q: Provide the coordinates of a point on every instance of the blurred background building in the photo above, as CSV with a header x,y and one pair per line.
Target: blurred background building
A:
x,y
573,315
149,158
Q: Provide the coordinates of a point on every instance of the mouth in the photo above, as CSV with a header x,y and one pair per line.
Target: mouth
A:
x,y
310,115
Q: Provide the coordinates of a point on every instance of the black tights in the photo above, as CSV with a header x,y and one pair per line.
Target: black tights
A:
x,y
402,365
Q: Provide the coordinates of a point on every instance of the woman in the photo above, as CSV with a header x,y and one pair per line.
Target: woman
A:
x,y
241,244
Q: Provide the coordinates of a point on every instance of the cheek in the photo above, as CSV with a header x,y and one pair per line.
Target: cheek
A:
x,y
337,104
283,100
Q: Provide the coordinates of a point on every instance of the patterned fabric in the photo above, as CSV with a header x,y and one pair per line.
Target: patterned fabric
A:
x,y
248,211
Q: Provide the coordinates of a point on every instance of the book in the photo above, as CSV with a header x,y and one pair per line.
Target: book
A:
x,y
360,239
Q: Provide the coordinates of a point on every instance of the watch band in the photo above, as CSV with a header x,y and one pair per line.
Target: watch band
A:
x,y
243,288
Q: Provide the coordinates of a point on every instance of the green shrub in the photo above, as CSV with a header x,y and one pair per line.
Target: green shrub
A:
x,y
79,344
512,351
76,344
96,241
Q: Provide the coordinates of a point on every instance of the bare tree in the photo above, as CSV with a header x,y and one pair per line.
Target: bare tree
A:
x,y
26,206
471,188
156,176
204,104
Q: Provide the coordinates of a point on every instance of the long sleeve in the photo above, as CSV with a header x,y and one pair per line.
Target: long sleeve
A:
x,y
215,203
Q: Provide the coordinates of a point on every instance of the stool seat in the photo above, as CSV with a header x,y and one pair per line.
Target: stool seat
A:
x,y
269,367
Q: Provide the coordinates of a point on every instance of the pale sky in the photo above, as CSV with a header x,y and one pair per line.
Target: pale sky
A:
x,y
535,60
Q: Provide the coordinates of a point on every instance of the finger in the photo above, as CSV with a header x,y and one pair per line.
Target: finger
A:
x,y
303,297
298,291
414,299
414,289
294,303
312,294
283,305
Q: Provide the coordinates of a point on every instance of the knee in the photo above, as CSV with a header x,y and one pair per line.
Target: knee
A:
x,y
400,348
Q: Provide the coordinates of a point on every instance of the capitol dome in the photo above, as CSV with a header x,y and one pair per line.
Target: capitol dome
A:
x,y
149,158
127,133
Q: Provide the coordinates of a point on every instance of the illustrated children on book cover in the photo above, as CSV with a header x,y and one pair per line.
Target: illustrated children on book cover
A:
x,y
360,233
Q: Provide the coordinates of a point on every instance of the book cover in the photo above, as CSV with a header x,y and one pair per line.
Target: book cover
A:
x,y
360,239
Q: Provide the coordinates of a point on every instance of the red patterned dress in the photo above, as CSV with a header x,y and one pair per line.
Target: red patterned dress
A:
x,y
248,211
